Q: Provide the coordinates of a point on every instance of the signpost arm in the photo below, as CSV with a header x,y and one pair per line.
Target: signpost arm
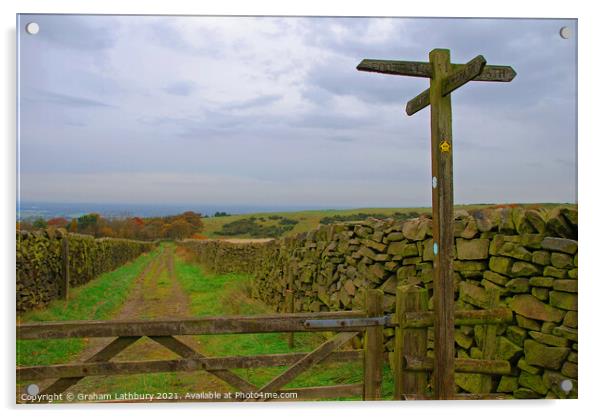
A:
x,y
442,201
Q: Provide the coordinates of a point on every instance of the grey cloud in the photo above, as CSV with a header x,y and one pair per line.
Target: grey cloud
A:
x,y
180,88
321,33
161,121
340,138
166,34
330,120
566,162
514,141
413,38
342,78
218,126
76,123
496,39
67,100
259,101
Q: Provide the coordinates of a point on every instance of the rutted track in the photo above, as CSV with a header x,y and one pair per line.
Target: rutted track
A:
x,y
156,293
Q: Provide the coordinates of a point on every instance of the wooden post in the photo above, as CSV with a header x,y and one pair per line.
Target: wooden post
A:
x,y
489,339
289,301
373,347
64,284
445,77
443,233
411,342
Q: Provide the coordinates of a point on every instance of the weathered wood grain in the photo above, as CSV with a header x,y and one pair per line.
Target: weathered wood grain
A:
x,y
408,68
308,361
409,342
473,317
196,326
187,352
496,73
464,365
108,352
489,340
373,347
419,102
463,75
213,365
443,228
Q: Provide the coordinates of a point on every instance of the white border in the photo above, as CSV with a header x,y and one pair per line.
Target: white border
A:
x,y
589,179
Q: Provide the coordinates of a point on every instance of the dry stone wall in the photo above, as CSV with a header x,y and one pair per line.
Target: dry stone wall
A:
x,y
39,262
226,257
530,256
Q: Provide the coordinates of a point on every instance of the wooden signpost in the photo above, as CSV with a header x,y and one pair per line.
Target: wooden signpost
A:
x,y
445,77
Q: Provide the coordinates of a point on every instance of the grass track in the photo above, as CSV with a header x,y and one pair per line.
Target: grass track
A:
x,y
229,295
96,300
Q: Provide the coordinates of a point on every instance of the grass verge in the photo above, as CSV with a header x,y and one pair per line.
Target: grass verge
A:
x,y
229,295
97,299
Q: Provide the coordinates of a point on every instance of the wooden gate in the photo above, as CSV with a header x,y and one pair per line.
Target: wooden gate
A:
x,y
411,363
348,324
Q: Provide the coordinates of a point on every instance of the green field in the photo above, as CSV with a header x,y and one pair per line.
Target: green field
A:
x,y
310,219
307,220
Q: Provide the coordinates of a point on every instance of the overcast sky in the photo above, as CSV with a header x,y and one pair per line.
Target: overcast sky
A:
x,y
271,111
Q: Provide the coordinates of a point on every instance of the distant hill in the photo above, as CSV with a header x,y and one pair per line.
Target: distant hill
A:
x,y
281,224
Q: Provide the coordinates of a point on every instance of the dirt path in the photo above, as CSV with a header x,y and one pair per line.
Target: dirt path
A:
x,y
156,293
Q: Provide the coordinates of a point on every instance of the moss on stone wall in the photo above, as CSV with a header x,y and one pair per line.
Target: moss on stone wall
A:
x,y
39,263
529,255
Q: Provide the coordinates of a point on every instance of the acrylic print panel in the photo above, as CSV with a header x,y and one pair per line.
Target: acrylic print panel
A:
x,y
241,209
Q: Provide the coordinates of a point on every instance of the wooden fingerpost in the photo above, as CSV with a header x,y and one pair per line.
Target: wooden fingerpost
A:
x,y
489,339
373,347
445,77
409,342
443,233
64,283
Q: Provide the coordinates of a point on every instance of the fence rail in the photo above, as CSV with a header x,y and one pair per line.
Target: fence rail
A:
x,y
348,324
411,363
297,322
474,317
108,368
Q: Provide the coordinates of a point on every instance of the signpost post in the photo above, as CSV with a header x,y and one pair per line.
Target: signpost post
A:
x,y
445,77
